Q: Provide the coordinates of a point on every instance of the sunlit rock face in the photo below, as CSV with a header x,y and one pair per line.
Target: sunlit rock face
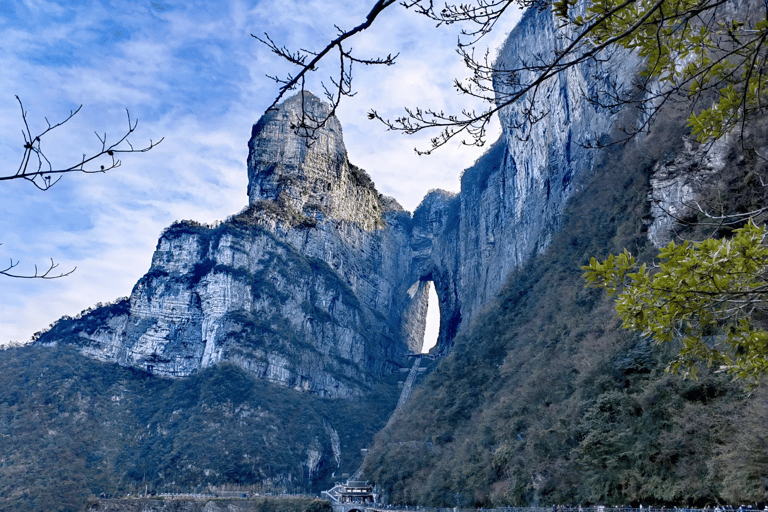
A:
x,y
308,175
677,183
510,211
319,284
511,201
308,287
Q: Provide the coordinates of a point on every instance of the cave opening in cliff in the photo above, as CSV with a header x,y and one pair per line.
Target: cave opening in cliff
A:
x,y
432,329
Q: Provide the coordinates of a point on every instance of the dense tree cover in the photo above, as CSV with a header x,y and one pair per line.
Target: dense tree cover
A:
x,y
546,400
257,504
710,293
71,428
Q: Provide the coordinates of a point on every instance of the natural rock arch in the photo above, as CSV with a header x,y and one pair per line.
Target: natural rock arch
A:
x,y
433,245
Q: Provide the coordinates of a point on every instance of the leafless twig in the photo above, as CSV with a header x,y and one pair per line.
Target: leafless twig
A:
x,y
45,275
521,82
307,62
37,168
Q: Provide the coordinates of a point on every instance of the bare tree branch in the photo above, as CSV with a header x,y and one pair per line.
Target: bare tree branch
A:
x,y
45,275
484,14
342,86
475,125
37,168
734,55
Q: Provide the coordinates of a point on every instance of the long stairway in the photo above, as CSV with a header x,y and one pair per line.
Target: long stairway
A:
x,y
405,394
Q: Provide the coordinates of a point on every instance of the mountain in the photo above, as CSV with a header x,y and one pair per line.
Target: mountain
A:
x,y
306,287
262,350
265,350
544,399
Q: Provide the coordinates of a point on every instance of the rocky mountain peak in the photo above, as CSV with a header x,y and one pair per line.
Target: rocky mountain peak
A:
x,y
307,173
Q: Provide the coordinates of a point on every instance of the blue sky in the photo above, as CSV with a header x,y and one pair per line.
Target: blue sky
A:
x,y
190,73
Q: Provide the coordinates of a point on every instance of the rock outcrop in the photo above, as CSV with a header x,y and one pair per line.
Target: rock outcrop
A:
x,y
306,287
713,185
512,199
320,283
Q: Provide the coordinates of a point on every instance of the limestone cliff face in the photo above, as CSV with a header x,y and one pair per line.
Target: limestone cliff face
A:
x,y
320,283
510,211
512,199
677,183
305,288
707,183
309,176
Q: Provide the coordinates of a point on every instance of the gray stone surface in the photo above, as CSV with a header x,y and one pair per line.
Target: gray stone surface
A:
x,y
319,284
305,288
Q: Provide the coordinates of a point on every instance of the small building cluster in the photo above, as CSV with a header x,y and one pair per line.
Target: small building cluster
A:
x,y
358,492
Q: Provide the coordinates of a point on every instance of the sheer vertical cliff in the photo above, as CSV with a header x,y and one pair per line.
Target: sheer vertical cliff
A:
x,y
512,200
543,398
319,283
286,322
307,287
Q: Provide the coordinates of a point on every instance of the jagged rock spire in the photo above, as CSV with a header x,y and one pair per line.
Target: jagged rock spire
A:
x,y
293,170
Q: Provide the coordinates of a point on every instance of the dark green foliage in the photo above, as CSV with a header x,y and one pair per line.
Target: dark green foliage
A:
x,y
545,399
71,428
475,178
200,270
209,236
361,178
69,330
185,227
252,504
269,208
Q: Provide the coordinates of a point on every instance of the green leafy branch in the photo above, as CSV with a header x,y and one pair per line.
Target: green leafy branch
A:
x,y
710,295
690,49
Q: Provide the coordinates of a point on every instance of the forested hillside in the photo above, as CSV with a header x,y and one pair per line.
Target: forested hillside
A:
x,y
72,428
546,400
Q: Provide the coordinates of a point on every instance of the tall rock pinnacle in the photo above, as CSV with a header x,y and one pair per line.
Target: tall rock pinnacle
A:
x,y
309,176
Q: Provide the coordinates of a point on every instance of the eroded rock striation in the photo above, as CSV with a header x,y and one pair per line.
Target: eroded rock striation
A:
x,y
305,288
320,284
512,199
